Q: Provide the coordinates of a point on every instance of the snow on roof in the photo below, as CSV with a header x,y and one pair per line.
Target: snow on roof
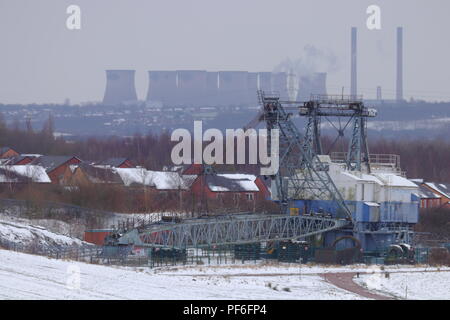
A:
x,y
161,180
135,176
166,180
424,192
232,182
372,204
50,163
363,177
113,162
394,180
11,174
442,188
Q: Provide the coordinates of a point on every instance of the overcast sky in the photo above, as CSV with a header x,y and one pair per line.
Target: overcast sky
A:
x,y
42,61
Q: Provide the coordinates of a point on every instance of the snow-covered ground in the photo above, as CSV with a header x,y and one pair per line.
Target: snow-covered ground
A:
x,y
268,267
416,286
24,276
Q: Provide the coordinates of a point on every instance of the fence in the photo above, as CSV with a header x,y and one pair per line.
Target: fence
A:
x,y
283,251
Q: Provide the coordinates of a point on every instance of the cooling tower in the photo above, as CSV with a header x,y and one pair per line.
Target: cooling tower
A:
x,y
162,86
265,81
399,91
212,88
280,85
313,84
119,87
252,86
233,87
353,71
191,87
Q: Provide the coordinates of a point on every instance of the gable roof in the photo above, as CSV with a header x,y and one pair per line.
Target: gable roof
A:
x,y
160,180
168,180
21,157
50,163
424,192
442,188
135,176
23,174
5,149
98,174
113,162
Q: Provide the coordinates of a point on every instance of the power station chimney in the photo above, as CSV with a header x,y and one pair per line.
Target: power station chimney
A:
x,y
353,80
399,91
379,96
119,87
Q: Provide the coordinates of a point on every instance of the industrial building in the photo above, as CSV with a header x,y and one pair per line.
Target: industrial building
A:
x,y
399,97
375,199
399,90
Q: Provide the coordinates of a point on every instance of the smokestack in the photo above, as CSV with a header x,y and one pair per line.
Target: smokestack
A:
x,y
379,96
399,92
119,87
353,80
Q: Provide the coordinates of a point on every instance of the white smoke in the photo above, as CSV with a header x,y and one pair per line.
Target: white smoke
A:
x,y
310,60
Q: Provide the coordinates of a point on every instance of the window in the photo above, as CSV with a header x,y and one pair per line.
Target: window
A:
x,y
250,196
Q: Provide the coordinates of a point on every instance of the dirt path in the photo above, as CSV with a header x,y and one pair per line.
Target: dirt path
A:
x,y
345,281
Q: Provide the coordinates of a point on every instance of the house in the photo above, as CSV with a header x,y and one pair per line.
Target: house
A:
x,y
55,166
7,152
84,173
194,168
117,163
23,174
428,198
240,187
442,190
158,180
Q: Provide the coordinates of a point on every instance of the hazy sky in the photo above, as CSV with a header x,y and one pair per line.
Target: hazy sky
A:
x,y
42,61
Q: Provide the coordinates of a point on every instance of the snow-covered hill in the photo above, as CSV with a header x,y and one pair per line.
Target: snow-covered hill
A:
x,y
24,234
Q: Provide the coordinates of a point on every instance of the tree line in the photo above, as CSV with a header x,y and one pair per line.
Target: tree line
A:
x,y
420,158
